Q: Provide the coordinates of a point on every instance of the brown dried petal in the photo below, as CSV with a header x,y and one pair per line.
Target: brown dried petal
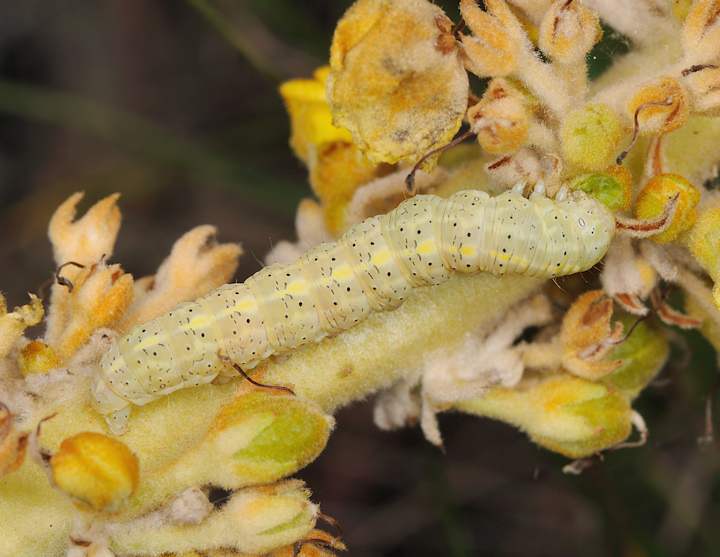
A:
x,y
671,316
645,228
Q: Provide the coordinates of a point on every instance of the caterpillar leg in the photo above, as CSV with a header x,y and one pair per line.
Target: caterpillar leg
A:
x,y
118,420
114,408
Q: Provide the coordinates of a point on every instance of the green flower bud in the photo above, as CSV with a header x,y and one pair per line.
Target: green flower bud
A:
x,y
611,187
255,520
565,414
590,136
257,438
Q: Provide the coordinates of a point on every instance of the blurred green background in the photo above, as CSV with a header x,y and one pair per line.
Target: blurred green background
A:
x,y
174,104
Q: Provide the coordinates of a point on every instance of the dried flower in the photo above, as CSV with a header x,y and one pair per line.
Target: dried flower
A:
x,y
394,84
12,325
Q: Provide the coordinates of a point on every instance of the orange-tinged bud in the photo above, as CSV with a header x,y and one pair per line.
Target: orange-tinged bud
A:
x,y
568,31
661,106
492,49
655,195
587,336
500,119
703,85
96,470
590,137
37,357
701,31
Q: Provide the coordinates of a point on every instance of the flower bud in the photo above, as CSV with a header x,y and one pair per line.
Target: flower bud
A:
x,y
703,241
590,137
700,34
492,49
655,195
565,414
568,31
613,187
661,106
257,438
500,118
96,470
255,520
703,85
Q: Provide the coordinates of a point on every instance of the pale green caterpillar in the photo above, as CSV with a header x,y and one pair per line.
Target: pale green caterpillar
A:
x,y
373,267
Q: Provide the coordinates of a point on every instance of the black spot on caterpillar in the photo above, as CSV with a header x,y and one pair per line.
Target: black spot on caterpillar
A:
x,y
374,266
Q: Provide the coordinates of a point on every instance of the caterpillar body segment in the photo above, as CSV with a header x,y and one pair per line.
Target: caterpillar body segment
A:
x,y
373,267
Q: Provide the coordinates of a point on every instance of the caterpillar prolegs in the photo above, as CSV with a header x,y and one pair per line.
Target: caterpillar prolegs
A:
x,y
374,266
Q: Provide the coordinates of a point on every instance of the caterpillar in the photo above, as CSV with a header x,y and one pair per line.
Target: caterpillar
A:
x,y
374,266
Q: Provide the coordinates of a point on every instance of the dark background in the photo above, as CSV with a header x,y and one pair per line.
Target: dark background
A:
x,y
150,99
